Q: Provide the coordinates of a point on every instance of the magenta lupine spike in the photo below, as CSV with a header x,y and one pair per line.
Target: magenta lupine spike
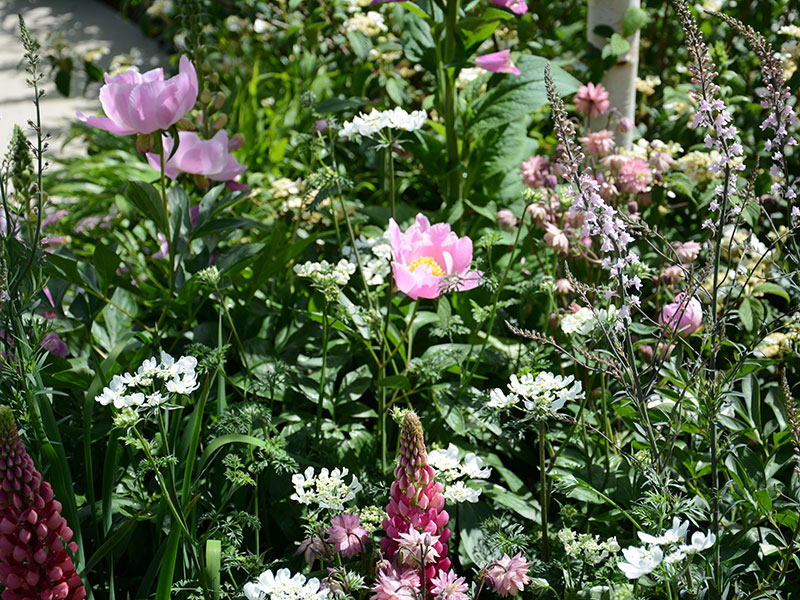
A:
x,y
34,562
416,499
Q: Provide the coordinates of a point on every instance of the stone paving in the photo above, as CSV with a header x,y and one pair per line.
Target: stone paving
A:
x,y
84,25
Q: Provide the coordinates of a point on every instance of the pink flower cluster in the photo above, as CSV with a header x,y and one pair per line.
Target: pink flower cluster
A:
x,y
33,560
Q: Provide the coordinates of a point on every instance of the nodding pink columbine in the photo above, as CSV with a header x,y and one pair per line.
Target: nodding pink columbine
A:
x,y
508,575
416,503
497,62
592,100
347,535
518,7
430,259
145,103
33,560
598,143
448,586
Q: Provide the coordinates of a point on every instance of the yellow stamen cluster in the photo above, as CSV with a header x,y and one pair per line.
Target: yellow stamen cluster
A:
x,y
429,261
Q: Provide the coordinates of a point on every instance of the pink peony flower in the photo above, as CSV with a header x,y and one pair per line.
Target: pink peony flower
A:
x,y
687,251
592,100
448,586
34,562
534,171
347,535
598,143
144,103
497,62
516,6
685,315
209,158
507,576
634,176
429,259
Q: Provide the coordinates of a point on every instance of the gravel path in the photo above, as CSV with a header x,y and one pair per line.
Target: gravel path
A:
x,y
84,25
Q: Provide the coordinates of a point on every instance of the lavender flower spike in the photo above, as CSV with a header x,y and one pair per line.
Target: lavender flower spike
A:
x,y
33,560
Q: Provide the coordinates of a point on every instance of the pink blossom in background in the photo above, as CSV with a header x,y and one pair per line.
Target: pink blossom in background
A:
x,y
497,62
534,171
394,585
209,158
556,239
685,315
625,124
671,274
429,259
506,219
592,100
54,345
635,176
661,162
516,6
448,586
687,251
507,576
563,286
144,103
312,549
347,535
598,143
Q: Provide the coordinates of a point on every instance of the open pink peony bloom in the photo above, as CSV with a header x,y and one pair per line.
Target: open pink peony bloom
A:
x,y
144,103
592,100
210,158
347,535
507,576
516,6
497,62
429,259
684,315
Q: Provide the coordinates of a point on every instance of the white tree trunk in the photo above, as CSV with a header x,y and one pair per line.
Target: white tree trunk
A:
x,y
620,80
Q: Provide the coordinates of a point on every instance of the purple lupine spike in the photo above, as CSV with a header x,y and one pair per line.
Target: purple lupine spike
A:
x,y
34,562
416,499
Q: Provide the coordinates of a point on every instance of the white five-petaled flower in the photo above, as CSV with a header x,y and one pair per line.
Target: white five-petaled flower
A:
x,y
640,561
700,541
284,586
675,535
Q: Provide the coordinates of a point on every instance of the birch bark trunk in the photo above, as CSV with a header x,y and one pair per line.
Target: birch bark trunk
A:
x,y
620,80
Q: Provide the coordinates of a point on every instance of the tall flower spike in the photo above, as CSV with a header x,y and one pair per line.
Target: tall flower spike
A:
x,y
416,499
33,560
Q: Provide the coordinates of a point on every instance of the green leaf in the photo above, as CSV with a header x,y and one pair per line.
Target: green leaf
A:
x,y
682,183
418,44
512,99
746,314
444,312
110,543
360,44
617,46
604,31
398,382
633,20
333,105
106,262
63,81
213,564
768,287
145,197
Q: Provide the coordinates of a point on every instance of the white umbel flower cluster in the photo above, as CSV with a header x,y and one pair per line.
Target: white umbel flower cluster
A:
x,y
541,395
152,384
369,125
376,257
326,490
449,468
325,273
370,23
284,586
668,549
586,547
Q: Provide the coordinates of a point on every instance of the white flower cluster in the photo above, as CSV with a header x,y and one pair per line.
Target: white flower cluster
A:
x,y
284,586
641,561
371,23
376,257
541,395
146,388
586,547
327,490
581,322
449,468
325,273
368,125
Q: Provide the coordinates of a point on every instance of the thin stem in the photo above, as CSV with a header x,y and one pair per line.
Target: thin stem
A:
x,y
165,200
543,492
455,182
321,394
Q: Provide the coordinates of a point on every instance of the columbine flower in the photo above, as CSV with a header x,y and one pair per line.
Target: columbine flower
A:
x,y
417,547
34,562
144,103
684,315
506,219
284,586
327,490
535,171
598,143
686,252
700,541
592,100
196,156
640,561
497,62
312,549
448,586
347,535
507,576
635,176
392,585
556,239
516,6
430,259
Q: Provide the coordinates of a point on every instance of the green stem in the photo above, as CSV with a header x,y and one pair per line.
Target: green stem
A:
x,y
543,491
321,395
165,200
455,182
